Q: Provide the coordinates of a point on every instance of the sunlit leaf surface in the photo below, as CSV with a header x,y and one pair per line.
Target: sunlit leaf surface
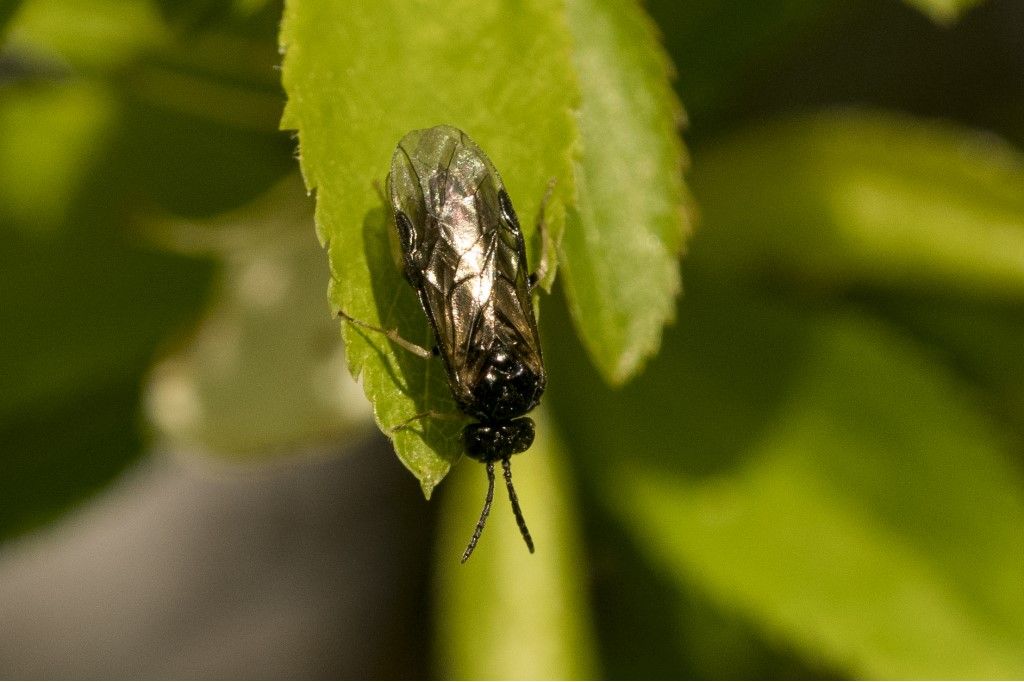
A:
x,y
622,249
501,74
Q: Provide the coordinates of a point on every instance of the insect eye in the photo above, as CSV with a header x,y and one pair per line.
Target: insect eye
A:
x,y
507,212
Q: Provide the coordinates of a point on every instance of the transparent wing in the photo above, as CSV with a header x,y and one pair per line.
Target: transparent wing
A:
x,y
466,255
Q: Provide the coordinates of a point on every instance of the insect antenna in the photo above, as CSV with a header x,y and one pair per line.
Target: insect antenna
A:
x,y
514,499
483,515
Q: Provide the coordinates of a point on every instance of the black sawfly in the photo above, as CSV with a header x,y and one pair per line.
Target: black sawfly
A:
x,y
464,254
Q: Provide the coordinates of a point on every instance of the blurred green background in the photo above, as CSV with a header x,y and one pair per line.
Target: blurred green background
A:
x,y
819,475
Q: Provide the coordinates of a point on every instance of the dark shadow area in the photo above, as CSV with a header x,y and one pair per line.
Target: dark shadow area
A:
x,y
889,54
798,55
724,370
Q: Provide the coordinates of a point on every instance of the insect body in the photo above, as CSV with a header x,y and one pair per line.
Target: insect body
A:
x,y
463,252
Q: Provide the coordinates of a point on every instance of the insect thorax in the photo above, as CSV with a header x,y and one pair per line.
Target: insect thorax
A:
x,y
503,388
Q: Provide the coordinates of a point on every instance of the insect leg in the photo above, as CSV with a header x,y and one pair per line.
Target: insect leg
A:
x,y
514,499
483,515
401,426
393,335
542,267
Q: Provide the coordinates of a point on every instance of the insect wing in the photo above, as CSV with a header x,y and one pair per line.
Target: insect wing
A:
x,y
464,253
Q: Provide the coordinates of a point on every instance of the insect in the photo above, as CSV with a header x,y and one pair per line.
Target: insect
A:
x,y
464,254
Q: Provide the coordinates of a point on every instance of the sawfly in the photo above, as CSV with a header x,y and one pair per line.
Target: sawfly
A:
x,y
463,252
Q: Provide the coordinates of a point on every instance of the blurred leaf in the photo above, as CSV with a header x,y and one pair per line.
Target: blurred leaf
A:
x,y
507,614
981,342
7,10
83,309
110,122
200,133
721,643
196,115
651,627
358,78
823,477
621,255
266,369
944,11
81,303
866,198
88,34
191,164
51,133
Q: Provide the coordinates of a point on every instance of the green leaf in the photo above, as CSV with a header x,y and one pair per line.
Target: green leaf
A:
x,y
620,255
50,136
825,478
359,77
857,198
196,117
199,131
507,614
944,11
83,309
154,124
107,33
8,8
982,341
266,368
651,627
